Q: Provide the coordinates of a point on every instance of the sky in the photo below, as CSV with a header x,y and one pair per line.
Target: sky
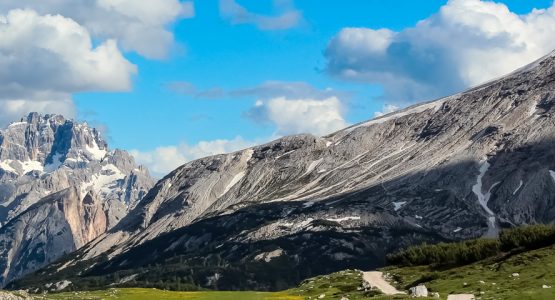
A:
x,y
172,81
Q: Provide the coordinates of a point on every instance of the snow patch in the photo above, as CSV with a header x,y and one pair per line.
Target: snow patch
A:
x,y
5,165
312,166
233,182
484,198
518,188
56,163
328,143
100,183
268,256
436,105
61,285
398,205
552,173
288,152
308,204
95,151
31,165
457,230
17,124
129,278
354,218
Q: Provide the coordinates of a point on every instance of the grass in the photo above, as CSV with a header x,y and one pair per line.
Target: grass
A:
x,y
347,283
491,278
149,294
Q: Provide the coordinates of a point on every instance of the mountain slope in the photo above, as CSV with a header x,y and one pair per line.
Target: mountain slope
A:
x,y
460,167
60,188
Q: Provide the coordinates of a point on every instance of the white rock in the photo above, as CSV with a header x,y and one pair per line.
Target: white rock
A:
x,y
515,275
322,296
546,286
419,291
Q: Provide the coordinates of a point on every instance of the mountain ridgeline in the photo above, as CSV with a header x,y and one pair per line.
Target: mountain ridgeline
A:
x,y
60,187
267,217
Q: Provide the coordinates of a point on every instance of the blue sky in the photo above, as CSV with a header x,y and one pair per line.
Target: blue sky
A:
x,y
218,80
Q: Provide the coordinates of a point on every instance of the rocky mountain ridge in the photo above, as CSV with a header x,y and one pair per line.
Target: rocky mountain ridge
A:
x,y
60,187
460,167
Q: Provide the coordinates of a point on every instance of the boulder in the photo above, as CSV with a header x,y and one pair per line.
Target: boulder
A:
x,y
419,291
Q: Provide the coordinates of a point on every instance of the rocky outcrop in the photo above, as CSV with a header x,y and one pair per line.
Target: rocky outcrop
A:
x,y
460,167
418,291
60,187
56,225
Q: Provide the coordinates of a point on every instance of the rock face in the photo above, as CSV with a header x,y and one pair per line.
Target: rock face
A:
x,y
460,167
60,188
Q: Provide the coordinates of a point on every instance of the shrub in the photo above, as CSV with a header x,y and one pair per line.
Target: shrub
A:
x,y
465,252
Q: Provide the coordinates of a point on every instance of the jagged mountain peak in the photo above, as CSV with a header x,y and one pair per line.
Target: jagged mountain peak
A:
x,y
45,158
50,140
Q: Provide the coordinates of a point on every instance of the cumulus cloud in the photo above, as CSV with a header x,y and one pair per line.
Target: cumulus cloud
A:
x,y
466,43
46,58
163,160
266,90
387,109
51,49
293,116
287,16
12,110
137,25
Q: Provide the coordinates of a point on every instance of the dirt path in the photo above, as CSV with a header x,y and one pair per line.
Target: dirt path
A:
x,y
375,279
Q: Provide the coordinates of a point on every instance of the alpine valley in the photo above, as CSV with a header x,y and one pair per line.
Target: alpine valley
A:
x,y
270,216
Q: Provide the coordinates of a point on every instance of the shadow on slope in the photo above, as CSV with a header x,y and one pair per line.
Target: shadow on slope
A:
x,y
276,245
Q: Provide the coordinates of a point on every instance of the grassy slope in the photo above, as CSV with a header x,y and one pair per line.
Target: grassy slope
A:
x,y
535,268
149,294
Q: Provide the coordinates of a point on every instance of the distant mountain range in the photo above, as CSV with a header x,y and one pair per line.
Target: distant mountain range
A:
x,y
270,216
60,187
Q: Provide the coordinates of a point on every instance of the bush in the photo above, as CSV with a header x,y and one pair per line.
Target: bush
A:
x,y
465,252
446,254
527,237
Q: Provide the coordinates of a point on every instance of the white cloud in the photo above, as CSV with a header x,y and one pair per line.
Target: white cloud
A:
x,y
51,49
163,160
267,89
293,116
287,17
466,43
137,25
44,59
387,109
12,110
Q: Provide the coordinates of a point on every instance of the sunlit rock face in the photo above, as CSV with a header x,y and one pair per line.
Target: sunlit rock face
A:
x,y
60,187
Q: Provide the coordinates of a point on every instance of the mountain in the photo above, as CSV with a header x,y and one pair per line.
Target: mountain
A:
x,y
269,216
60,187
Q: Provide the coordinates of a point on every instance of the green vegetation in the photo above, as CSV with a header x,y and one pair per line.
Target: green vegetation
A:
x,y
150,294
518,265
490,279
465,252
347,283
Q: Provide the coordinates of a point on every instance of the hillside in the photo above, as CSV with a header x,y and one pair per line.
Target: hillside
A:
x,y
460,167
517,273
